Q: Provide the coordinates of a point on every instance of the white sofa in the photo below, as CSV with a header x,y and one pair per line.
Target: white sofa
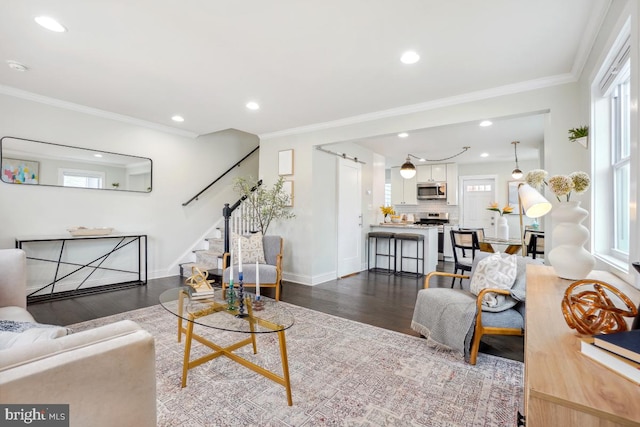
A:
x,y
105,374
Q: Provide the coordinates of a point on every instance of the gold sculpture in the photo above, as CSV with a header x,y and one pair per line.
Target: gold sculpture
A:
x,y
198,280
588,308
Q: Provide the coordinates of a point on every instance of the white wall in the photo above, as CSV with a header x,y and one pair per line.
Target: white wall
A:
x,y
313,246
181,167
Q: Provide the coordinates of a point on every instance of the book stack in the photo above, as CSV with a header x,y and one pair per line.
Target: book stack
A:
x,y
619,352
195,295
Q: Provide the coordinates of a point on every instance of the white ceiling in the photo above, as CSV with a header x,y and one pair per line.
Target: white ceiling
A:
x,y
306,63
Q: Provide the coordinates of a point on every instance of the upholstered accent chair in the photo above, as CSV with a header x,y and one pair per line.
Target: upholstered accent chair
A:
x,y
457,318
270,273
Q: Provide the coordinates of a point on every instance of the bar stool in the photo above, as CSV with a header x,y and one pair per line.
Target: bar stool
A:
x,y
377,236
410,237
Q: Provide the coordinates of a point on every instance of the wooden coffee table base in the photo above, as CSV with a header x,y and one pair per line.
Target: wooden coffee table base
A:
x,y
283,380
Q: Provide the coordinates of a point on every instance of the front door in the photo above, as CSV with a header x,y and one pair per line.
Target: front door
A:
x,y
349,218
477,195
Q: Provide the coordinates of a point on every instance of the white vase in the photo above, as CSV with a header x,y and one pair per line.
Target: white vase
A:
x,y
568,257
503,228
387,218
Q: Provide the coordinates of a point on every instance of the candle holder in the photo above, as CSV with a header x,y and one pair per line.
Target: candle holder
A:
x,y
241,312
258,304
231,298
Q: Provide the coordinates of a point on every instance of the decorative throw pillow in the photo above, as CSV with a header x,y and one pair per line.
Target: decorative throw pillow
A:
x,y
252,249
494,272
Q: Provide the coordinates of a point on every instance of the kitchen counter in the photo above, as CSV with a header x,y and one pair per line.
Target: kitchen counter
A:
x,y
430,233
404,225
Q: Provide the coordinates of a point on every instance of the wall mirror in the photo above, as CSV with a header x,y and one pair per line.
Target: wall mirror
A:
x,y
29,162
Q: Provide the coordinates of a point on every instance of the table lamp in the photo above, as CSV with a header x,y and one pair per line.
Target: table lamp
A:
x,y
533,204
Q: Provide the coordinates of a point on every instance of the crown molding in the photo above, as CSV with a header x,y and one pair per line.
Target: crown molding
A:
x,y
511,89
588,39
30,96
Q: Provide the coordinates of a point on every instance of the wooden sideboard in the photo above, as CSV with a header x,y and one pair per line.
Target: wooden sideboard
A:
x,y
562,386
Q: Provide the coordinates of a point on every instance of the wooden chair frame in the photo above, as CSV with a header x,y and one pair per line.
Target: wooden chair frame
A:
x,y
479,329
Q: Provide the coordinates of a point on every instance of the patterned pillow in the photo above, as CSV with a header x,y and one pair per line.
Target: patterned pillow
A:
x,y
494,272
252,249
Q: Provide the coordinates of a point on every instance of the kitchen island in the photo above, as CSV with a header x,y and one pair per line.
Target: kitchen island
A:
x,y
430,233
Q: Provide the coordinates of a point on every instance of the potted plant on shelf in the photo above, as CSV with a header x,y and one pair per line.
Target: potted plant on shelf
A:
x,y
579,135
115,185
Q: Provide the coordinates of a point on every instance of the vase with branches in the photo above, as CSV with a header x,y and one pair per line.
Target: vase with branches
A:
x,y
264,205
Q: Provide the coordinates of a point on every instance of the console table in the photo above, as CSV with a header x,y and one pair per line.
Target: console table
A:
x,y
563,387
68,261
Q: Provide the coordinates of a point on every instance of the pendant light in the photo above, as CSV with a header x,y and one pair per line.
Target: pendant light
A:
x,y
516,173
408,170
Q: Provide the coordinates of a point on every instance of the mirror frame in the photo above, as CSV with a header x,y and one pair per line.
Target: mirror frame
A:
x,y
3,157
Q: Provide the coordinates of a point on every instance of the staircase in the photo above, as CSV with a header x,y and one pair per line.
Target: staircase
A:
x,y
209,259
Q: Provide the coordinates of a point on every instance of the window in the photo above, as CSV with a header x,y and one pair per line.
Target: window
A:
x,y
80,178
620,165
610,136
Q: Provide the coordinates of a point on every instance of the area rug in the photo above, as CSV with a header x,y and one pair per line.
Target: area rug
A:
x,y
343,373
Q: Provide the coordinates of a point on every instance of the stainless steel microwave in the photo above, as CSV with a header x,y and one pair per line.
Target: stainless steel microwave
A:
x,y
432,190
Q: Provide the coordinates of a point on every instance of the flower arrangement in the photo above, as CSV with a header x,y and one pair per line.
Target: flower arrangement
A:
x,y
387,210
505,210
560,185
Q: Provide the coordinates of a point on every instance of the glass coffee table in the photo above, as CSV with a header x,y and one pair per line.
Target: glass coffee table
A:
x,y
213,314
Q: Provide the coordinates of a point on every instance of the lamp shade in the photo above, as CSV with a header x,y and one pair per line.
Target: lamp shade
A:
x,y
516,174
407,170
533,203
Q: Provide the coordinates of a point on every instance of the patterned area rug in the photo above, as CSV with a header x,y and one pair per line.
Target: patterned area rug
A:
x,y
343,373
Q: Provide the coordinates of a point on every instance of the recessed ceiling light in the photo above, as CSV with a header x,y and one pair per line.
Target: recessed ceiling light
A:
x,y
410,57
50,24
253,105
97,155
403,135
14,65
484,155
485,123
177,119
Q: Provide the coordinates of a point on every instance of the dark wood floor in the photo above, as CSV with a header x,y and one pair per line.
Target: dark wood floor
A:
x,y
373,298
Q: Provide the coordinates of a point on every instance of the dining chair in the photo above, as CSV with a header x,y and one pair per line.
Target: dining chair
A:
x,y
464,242
535,246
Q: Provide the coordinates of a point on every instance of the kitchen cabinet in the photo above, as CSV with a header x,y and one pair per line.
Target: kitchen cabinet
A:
x,y
403,191
431,173
452,184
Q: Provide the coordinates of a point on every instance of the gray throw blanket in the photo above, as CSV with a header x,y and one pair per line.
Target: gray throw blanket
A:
x,y
446,316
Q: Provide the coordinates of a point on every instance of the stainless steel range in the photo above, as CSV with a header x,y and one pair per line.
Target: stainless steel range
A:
x,y
435,218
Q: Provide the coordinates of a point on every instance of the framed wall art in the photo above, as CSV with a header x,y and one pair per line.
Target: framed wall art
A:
x,y
512,194
285,162
18,171
287,188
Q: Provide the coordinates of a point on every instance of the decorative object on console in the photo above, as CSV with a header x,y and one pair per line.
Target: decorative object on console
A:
x,y
568,257
588,307
533,205
94,231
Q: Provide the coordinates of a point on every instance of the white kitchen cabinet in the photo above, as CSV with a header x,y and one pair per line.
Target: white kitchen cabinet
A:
x,y
431,173
452,184
403,191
